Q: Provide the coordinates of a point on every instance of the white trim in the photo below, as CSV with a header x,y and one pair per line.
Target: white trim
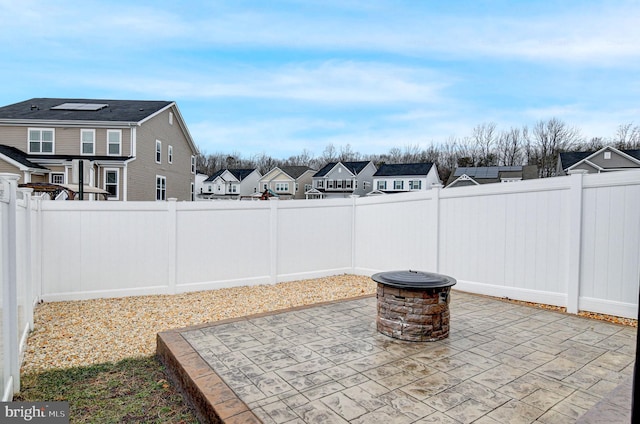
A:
x,y
609,148
104,182
53,142
169,153
93,141
164,189
119,132
64,177
158,151
463,177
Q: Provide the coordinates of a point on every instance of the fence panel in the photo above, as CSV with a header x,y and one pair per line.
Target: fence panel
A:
x,y
507,240
222,244
94,249
398,231
313,239
610,270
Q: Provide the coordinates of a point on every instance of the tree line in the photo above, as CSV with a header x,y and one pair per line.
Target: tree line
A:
x,y
487,145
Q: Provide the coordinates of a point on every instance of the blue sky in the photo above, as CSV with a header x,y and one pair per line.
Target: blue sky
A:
x,y
277,77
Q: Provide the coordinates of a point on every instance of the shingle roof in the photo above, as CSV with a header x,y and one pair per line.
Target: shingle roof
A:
x,y
354,167
19,156
116,110
240,174
295,171
401,169
568,159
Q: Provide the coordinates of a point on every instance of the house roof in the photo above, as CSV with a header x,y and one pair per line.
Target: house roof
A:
x,y
568,159
295,172
18,156
491,174
240,174
401,169
44,109
354,167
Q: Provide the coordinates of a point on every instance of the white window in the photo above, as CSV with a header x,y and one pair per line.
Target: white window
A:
x,y
170,118
161,188
415,185
111,183
282,187
210,189
382,185
233,188
193,164
41,140
170,154
398,185
193,192
87,142
114,142
607,155
158,151
56,178
320,184
265,186
307,187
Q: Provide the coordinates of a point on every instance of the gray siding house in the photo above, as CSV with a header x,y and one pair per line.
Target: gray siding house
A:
x,y
132,149
476,175
342,179
606,159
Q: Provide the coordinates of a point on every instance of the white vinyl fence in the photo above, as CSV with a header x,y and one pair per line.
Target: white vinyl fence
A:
x,y
568,241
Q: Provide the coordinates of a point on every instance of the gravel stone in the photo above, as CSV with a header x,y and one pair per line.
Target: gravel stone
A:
x,y
87,332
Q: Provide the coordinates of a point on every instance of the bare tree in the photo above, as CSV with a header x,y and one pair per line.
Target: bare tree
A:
x,y
510,147
329,154
549,138
627,136
484,138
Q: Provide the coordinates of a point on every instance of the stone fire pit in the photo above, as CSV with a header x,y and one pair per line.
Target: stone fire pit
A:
x,y
413,305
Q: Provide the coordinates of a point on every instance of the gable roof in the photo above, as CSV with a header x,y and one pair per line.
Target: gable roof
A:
x,y
569,159
401,169
240,174
18,156
354,167
44,109
295,172
492,174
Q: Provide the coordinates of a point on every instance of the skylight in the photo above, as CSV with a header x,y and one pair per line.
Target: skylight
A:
x,y
80,106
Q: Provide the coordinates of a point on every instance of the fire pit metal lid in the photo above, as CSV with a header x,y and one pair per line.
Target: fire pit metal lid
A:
x,y
414,279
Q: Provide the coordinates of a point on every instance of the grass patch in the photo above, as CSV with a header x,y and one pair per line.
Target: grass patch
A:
x,y
130,391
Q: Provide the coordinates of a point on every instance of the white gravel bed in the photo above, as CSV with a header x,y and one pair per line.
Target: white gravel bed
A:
x,y
87,332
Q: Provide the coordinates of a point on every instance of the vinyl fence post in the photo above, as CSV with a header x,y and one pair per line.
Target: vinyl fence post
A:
x,y
9,287
435,189
575,239
29,260
173,240
273,240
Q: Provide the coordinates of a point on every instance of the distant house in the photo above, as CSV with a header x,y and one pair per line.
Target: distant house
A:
x,y
465,176
231,184
132,149
606,159
397,178
287,182
342,179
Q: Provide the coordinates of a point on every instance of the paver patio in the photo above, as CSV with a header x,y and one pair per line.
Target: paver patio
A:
x,y
502,363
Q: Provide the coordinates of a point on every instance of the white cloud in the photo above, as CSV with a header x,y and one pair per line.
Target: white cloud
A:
x,y
334,82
